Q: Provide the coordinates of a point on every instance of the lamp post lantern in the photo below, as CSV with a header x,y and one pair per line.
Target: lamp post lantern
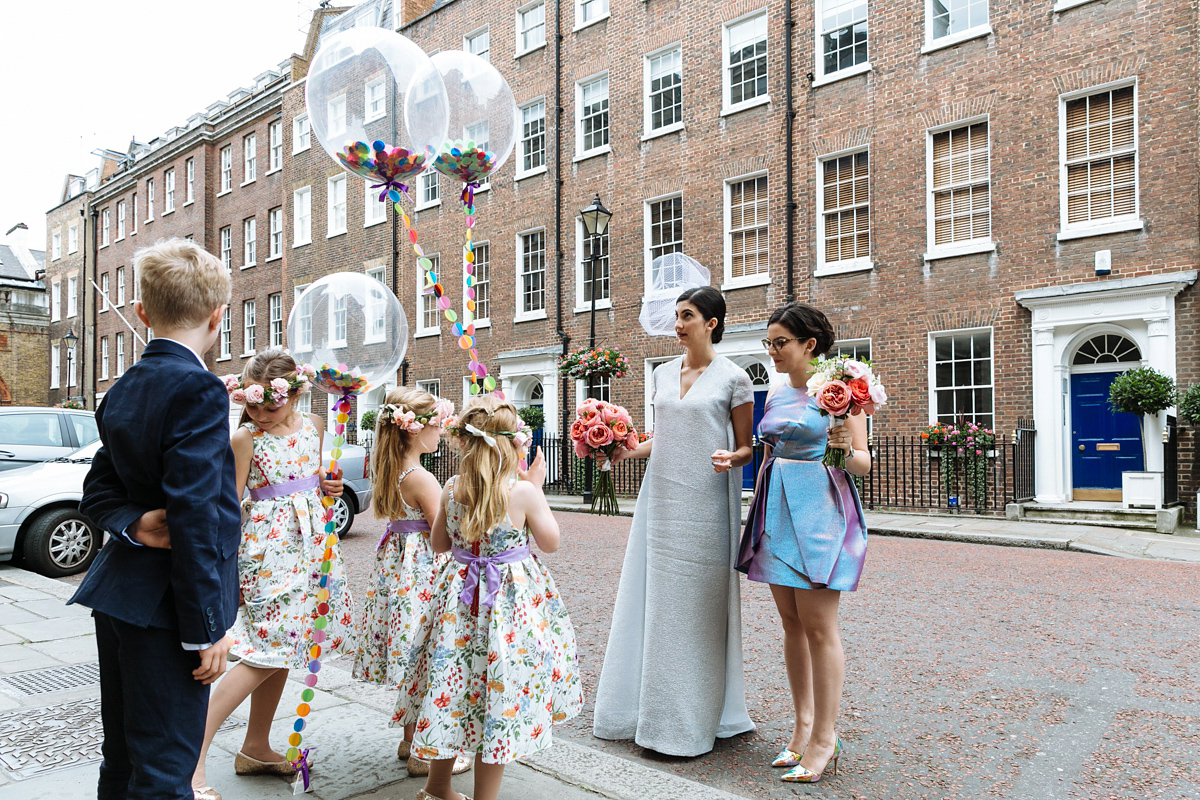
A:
x,y
69,341
595,222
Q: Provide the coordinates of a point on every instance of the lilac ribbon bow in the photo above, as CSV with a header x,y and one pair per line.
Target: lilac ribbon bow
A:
x,y
468,194
402,526
492,569
301,764
388,185
273,490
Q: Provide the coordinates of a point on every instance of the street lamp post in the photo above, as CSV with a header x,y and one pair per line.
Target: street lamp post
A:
x,y
69,341
595,222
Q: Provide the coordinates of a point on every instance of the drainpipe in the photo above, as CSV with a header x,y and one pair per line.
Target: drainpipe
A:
x,y
558,255
788,25
94,213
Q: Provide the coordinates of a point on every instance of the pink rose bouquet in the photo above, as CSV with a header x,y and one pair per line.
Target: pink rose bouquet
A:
x,y
844,386
601,427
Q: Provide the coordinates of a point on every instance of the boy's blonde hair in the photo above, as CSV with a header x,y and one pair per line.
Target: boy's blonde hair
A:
x,y
180,283
392,443
482,483
265,367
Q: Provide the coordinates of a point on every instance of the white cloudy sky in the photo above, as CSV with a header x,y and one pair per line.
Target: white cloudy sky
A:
x,y
84,74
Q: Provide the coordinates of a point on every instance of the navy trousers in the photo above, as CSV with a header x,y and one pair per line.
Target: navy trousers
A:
x,y
152,711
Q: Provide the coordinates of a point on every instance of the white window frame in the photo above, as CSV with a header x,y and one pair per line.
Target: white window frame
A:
x,y
1134,222
249,326
339,321
580,152
275,233
168,191
380,83
120,220
821,76
56,245
648,259
149,199
56,364
226,247
426,299
249,242
249,158
336,109
759,279
120,302
275,319
336,219
226,162
104,228
73,237
303,343
581,23
374,307
224,339
374,212
56,301
931,366
432,385
521,171
275,146
302,224
967,246
522,48
190,178
850,264
470,39
103,358
428,178
727,106
582,301
301,134
523,314
133,217
648,129
951,39
480,322
119,354
72,296
103,302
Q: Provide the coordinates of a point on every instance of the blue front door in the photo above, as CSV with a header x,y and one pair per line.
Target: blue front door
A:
x,y
750,471
1104,443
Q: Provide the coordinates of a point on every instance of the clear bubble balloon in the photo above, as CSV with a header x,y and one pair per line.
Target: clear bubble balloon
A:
x,y
377,105
670,276
482,117
349,328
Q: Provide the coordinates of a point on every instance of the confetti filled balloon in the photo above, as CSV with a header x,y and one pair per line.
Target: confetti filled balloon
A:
x,y
482,117
377,105
670,275
351,330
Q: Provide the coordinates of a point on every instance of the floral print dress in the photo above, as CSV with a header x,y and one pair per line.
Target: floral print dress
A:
x,y
279,559
397,601
492,680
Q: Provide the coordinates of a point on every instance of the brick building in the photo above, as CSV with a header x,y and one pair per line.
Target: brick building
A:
x,y
993,201
24,316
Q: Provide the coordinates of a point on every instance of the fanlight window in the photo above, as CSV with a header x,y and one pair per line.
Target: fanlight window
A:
x,y
758,375
1107,348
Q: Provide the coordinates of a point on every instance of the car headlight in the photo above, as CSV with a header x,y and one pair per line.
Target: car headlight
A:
x,y
3,500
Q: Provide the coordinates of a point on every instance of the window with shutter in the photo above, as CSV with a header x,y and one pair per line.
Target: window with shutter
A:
x,y
1101,156
748,228
961,178
846,209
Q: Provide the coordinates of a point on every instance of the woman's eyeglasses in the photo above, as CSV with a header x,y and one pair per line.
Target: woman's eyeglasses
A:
x,y
777,344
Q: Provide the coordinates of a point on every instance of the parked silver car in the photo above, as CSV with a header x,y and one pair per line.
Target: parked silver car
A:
x,y
40,521
30,434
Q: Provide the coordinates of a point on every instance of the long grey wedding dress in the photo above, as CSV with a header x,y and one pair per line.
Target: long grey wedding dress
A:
x,y
672,677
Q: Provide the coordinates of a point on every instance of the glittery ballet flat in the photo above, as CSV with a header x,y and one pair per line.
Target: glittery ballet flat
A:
x,y
404,749
206,793
801,774
787,758
245,765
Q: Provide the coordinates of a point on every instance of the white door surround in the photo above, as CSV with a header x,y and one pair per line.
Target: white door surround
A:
x,y
1064,317
517,366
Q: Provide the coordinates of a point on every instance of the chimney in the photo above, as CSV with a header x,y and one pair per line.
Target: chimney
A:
x,y
18,241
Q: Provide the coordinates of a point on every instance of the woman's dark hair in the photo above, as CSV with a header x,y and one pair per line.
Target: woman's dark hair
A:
x,y
805,322
710,303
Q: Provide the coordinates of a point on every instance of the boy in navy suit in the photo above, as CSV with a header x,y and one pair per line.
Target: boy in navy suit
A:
x,y
164,589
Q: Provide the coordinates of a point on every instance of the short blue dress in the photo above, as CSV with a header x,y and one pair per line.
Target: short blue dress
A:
x,y
806,527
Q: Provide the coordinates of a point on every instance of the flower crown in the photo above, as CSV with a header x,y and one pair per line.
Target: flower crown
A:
x,y
412,422
521,437
275,393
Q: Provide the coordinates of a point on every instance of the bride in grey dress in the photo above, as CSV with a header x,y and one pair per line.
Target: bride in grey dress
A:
x,y
672,676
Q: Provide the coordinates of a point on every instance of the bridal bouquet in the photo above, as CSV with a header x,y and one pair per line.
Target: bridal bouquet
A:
x,y
601,427
843,386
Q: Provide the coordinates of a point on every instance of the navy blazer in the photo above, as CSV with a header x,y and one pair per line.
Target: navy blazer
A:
x,y
164,428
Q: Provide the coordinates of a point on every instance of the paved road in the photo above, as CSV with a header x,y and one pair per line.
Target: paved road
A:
x,y
972,671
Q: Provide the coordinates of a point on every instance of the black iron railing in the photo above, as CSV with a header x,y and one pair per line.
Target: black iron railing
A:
x,y
1171,462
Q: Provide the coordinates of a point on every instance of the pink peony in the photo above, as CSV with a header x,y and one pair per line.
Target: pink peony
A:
x,y
599,436
860,391
856,369
620,428
623,415
280,385
581,448
834,398
878,395
578,430
610,413
255,393
231,382
631,441
238,396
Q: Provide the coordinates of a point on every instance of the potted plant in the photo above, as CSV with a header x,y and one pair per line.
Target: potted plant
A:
x,y
535,418
588,362
964,450
1146,392
366,424
1188,405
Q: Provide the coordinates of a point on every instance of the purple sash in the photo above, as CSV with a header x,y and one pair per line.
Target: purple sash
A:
x,y
403,526
492,570
273,490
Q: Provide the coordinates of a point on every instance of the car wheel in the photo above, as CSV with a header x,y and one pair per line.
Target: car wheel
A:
x,y
343,516
60,542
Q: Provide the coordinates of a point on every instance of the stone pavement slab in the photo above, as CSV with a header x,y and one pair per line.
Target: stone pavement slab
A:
x,y
44,630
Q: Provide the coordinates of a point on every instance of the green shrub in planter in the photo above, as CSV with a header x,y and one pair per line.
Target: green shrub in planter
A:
x,y
367,422
1189,405
533,416
1141,391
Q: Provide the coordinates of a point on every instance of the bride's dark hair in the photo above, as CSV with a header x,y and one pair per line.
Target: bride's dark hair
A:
x,y
710,303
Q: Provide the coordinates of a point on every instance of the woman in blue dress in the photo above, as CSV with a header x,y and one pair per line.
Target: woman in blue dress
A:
x,y
805,536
